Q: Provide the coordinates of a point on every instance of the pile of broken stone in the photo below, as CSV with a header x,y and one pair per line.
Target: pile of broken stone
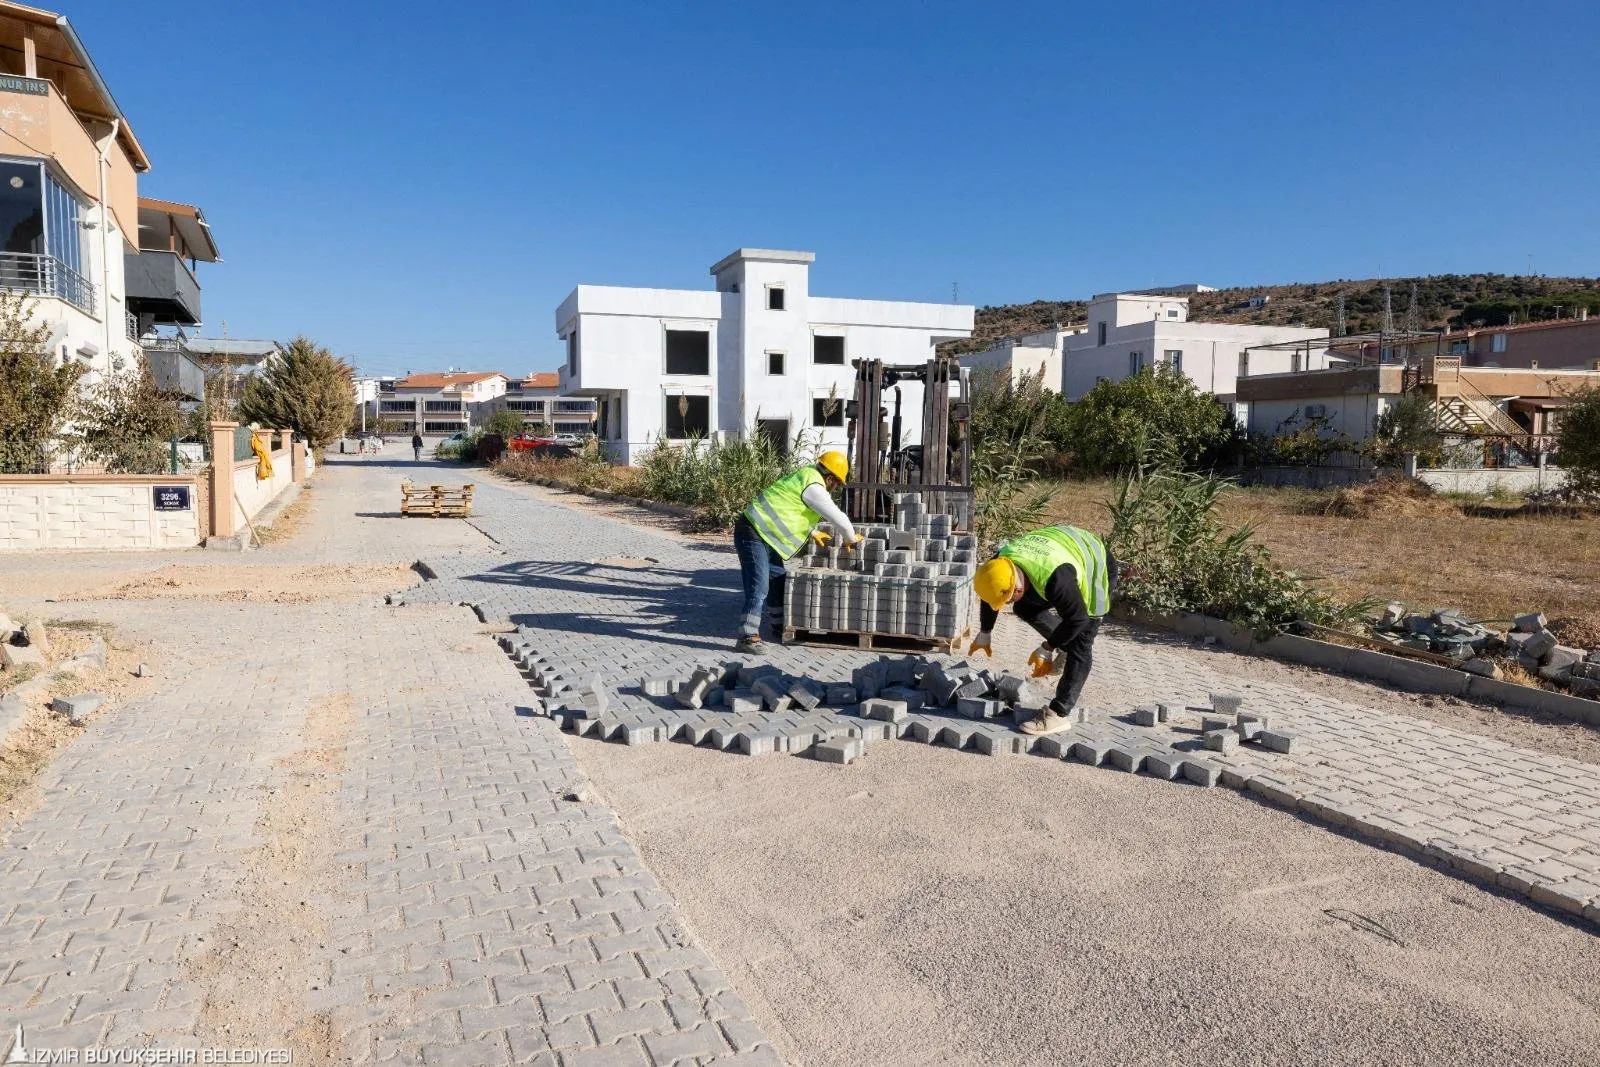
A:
x,y
1480,649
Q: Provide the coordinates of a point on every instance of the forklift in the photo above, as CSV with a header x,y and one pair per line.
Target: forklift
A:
x,y
938,468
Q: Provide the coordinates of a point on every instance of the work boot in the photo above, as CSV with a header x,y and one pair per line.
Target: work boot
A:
x,y
1046,722
751,644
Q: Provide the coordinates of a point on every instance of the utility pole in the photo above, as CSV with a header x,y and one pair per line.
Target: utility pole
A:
x,y
1413,322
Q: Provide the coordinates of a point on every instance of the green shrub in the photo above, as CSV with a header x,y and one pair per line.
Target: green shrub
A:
x,y
720,476
1118,422
1165,524
1406,425
1578,443
464,450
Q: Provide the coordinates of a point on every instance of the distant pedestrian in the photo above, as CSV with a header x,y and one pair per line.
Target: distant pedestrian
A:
x,y
416,447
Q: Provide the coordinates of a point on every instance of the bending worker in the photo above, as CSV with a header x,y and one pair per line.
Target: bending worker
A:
x,y
774,528
1061,579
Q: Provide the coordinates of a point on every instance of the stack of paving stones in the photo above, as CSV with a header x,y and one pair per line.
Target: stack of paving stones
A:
x,y
1529,644
912,579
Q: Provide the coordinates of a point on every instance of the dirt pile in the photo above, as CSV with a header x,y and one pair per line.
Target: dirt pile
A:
x,y
1389,498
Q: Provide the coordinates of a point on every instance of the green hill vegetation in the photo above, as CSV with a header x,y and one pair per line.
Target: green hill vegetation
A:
x,y
1454,300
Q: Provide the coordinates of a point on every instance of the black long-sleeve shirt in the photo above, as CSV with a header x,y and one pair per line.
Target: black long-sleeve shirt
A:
x,y
1056,612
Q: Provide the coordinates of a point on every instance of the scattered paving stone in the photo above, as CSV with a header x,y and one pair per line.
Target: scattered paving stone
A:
x,y
1201,772
658,687
1226,703
1164,765
1146,716
77,707
1278,742
841,751
142,671
1221,740
1210,723
885,709
21,656
1248,730
1530,624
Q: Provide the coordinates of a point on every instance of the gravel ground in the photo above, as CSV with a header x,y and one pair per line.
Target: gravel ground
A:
x,y
929,906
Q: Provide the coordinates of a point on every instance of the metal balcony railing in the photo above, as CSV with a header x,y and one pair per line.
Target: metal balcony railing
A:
x,y
46,276
132,326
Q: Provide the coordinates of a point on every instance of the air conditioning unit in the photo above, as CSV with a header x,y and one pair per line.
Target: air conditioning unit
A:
x,y
1316,411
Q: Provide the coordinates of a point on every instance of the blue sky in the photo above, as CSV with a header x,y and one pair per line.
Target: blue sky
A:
x,y
419,185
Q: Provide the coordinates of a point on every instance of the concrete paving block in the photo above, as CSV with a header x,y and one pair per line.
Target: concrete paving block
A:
x,y
1530,624
1540,645
975,687
1009,686
1210,723
1092,752
994,743
658,687
748,673
843,750
956,734
912,698
806,693
1226,703
884,710
742,702
1248,730
1279,742
1126,758
1221,740
723,738
1055,746
976,708
1164,713
1201,772
1484,668
21,656
1145,716
773,689
840,696
897,671
692,694
77,707
1164,765
642,733
797,739
758,742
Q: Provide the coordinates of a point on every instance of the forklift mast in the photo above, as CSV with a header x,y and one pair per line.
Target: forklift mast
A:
x,y
938,468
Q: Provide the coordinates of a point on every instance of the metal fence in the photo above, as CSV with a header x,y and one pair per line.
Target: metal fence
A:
x,y
47,276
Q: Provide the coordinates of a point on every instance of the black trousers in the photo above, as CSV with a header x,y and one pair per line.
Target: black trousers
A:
x,y
1075,672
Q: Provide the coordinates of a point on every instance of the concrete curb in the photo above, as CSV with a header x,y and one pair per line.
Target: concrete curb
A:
x,y
1411,675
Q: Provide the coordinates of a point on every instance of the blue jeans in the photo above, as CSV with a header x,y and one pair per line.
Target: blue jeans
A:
x,y
761,574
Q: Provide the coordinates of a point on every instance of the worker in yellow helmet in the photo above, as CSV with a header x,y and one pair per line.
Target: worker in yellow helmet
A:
x,y
774,528
1061,579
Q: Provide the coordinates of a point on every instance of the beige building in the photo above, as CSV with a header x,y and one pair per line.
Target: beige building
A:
x,y
69,201
537,398
443,403
1565,344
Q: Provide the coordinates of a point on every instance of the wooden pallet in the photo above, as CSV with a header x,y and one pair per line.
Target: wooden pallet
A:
x,y
944,646
436,501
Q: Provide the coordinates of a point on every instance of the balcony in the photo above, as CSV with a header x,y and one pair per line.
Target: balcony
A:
x,y
161,284
46,276
175,374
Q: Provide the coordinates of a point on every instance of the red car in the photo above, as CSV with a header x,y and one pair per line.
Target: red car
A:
x,y
527,442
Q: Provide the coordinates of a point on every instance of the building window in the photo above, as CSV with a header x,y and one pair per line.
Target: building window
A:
x,y
687,416
1458,348
616,418
1497,343
774,362
1174,360
688,352
40,218
827,411
572,351
829,350
1135,363
1172,313
774,298
776,431
1101,330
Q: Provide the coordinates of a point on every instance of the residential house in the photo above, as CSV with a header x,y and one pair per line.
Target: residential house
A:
x,y
1513,411
1031,355
537,398
1131,332
69,202
1564,344
440,403
758,352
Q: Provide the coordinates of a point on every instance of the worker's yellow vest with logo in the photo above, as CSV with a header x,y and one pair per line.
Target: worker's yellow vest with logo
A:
x,y
1038,554
783,520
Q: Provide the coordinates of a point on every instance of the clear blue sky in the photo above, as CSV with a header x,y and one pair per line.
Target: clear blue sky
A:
x,y
419,185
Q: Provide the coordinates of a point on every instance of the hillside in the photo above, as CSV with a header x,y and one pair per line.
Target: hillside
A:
x,y
1455,300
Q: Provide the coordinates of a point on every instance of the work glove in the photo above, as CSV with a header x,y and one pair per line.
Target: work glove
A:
x,y
851,547
980,644
821,538
1042,661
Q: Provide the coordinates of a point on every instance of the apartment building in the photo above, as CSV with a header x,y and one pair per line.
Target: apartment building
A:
x,y
1031,355
1565,344
69,203
163,292
756,352
537,398
1130,332
439,403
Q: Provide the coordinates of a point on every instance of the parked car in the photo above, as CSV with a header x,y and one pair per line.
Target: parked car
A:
x,y
527,442
571,440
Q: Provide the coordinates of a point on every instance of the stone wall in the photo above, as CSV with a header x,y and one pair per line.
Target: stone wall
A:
x,y
95,511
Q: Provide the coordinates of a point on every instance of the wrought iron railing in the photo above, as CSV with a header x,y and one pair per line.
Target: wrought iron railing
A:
x,y
47,276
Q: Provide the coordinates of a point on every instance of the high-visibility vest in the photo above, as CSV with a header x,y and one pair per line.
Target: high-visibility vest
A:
x,y
1038,554
783,520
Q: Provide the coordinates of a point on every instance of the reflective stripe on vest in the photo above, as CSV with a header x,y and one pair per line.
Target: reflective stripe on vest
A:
x,y
1038,554
781,517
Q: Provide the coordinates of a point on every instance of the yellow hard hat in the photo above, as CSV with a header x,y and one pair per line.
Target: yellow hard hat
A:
x,y
834,463
995,582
